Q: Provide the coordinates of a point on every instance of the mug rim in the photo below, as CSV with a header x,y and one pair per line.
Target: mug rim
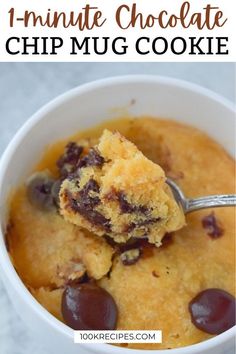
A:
x,y
5,261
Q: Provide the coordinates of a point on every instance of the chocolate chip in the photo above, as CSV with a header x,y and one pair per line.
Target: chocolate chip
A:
x,y
141,223
213,311
85,198
127,207
155,274
68,162
135,242
141,244
93,216
39,189
148,221
130,257
97,219
167,240
88,307
210,223
92,159
83,279
111,241
91,186
85,202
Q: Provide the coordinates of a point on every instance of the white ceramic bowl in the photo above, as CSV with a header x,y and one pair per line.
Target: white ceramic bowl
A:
x,y
83,107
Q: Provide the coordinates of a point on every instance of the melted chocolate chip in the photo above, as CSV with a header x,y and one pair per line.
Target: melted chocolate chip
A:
x,y
167,240
85,202
130,257
88,307
39,191
92,159
85,279
125,206
210,223
133,243
213,311
91,186
155,274
111,242
98,219
129,245
85,198
68,162
93,216
147,222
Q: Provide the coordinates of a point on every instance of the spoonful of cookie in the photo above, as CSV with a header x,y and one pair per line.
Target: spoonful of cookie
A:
x,y
118,192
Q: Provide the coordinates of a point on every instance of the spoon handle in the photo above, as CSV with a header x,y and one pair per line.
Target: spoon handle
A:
x,y
210,201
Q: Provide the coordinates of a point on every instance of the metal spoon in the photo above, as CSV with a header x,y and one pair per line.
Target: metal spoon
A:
x,y
210,201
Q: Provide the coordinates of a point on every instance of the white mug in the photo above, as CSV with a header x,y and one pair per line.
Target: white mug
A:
x,y
84,107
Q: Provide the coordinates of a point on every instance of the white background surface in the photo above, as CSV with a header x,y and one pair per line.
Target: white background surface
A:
x,y
25,87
